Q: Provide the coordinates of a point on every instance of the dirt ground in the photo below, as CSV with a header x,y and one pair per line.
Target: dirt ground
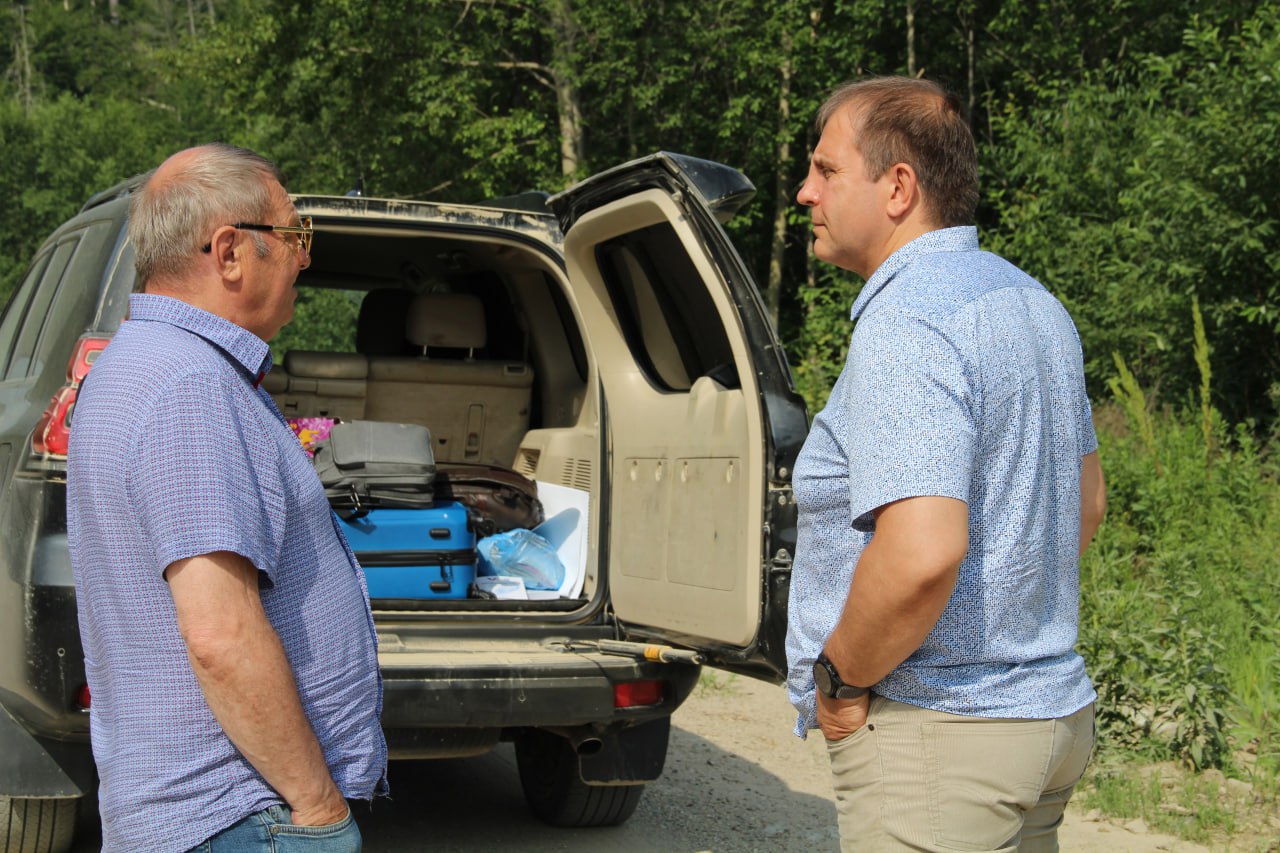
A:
x,y
736,781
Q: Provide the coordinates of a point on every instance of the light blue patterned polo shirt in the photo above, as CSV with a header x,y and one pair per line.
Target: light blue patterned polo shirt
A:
x,y
964,379
175,452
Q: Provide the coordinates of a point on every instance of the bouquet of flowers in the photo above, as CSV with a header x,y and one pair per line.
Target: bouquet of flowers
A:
x,y
311,431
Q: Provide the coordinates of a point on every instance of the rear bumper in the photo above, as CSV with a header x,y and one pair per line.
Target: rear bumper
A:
x,y
519,682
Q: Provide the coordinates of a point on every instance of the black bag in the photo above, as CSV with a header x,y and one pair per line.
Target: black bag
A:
x,y
367,464
497,499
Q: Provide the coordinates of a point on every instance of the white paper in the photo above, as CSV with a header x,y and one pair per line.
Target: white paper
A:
x,y
503,586
567,513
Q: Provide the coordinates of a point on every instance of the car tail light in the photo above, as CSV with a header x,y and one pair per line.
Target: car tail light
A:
x,y
53,431
633,694
83,698
87,351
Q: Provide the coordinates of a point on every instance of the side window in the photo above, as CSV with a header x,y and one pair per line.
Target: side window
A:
x,y
16,310
668,318
37,312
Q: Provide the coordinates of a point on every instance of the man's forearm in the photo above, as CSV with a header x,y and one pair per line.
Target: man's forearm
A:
x,y
902,584
246,679
1093,499
250,689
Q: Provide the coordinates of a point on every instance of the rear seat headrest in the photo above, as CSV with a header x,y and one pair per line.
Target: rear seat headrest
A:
x,y
326,365
380,326
454,320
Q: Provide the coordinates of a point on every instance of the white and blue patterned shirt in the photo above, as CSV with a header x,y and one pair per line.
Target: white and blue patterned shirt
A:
x,y
175,452
964,379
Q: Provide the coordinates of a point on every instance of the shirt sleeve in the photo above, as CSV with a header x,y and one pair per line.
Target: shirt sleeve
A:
x,y
204,478
910,407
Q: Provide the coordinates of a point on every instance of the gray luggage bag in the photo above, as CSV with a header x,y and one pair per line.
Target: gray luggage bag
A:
x,y
369,464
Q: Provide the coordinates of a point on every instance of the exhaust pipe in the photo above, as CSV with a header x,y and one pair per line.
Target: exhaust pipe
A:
x,y
582,740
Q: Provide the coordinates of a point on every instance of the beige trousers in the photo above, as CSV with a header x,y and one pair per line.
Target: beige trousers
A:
x,y
915,779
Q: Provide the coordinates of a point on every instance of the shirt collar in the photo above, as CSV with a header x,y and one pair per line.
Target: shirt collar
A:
x,y
963,238
242,346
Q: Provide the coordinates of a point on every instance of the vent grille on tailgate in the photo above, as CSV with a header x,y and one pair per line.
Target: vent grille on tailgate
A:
x,y
577,474
527,462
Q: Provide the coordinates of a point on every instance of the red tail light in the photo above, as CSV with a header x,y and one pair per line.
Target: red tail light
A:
x,y
633,694
87,351
53,431
82,697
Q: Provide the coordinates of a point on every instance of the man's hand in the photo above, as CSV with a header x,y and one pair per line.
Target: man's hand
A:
x,y
324,814
839,718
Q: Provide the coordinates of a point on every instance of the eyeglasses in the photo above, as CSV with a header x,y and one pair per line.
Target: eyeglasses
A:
x,y
300,234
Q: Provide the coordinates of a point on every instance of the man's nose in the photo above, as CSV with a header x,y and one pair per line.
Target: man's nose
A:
x,y
304,259
807,195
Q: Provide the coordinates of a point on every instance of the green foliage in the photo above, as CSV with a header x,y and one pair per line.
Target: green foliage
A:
x,y
1197,807
1133,400
823,338
323,320
1206,377
1175,589
1149,184
55,157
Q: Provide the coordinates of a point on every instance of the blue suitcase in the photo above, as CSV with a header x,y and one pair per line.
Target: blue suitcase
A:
x,y
415,553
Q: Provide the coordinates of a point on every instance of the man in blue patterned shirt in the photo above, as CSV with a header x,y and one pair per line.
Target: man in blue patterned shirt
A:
x,y
946,493
228,642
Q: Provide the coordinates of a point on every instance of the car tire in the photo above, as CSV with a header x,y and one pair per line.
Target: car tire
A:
x,y
37,826
555,791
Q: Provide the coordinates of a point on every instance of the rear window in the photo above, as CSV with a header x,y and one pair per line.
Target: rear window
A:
x,y
16,310
668,318
324,320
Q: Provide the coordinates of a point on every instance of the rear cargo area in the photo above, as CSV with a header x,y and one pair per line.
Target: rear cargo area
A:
x,y
477,341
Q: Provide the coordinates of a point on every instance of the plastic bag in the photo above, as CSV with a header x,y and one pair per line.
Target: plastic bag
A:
x,y
523,554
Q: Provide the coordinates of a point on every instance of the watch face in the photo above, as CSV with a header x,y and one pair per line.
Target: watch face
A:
x,y
822,677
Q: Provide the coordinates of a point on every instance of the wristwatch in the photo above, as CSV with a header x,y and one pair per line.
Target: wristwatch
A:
x,y
830,683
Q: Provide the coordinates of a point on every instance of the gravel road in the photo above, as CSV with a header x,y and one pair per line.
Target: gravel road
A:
x,y
736,781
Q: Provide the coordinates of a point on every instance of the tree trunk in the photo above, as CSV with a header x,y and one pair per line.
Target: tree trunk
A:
x,y
973,98
213,20
113,11
911,38
191,16
24,83
564,32
782,195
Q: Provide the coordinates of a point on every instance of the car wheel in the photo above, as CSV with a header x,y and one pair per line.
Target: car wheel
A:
x,y
555,791
37,826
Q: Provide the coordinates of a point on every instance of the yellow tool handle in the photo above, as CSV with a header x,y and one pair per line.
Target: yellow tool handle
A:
x,y
650,651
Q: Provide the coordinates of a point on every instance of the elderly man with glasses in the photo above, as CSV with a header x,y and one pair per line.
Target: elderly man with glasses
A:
x,y
228,641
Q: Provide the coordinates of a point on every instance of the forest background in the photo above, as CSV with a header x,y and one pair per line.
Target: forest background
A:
x,y
1130,159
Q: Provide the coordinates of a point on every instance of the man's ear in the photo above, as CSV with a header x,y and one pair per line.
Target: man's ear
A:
x,y
904,193
225,249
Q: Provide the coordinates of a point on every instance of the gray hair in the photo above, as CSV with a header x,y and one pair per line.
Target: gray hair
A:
x,y
172,218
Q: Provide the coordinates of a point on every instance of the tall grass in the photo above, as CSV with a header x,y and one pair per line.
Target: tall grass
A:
x,y
1180,597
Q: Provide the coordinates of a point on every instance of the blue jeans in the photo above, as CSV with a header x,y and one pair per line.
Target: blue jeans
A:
x,y
272,831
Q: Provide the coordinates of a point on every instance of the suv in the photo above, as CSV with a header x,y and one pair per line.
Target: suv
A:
x,y
608,340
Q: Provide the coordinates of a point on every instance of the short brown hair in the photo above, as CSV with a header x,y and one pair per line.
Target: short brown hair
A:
x,y
917,122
